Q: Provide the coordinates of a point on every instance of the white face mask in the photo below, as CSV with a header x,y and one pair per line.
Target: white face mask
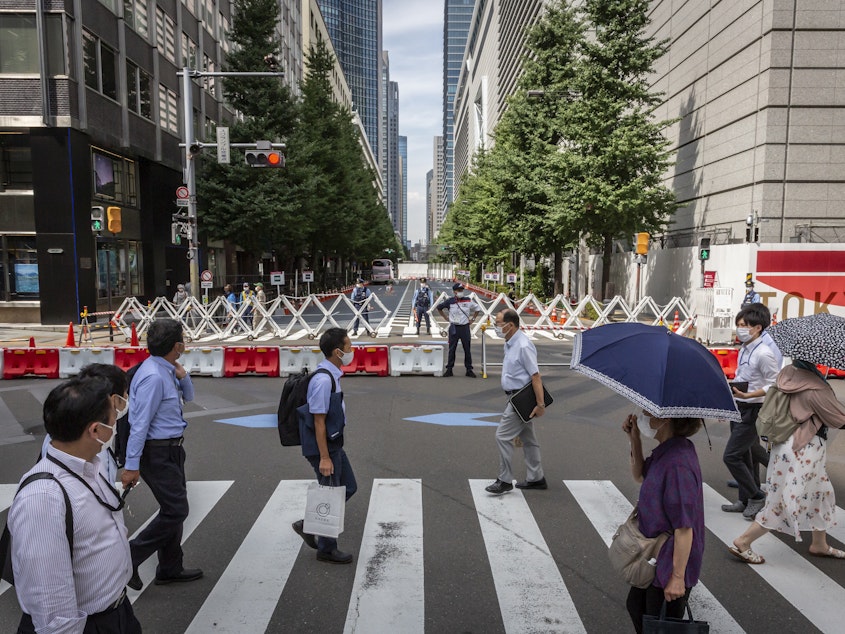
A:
x,y
743,333
347,357
645,428
119,413
458,293
108,444
498,330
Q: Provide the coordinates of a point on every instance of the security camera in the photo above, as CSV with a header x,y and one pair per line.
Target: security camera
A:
x,y
750,220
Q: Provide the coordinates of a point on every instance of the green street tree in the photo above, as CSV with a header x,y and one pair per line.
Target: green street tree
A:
x,y
621,149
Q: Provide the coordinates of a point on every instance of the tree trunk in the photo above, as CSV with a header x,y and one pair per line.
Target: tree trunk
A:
x,y
558,276
605,265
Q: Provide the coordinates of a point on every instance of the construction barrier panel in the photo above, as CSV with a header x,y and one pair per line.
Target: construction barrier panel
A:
x,y
247,359
125,358
18,362
831,372
424,359
1,363
72,360
369,360
727,358
293,360
203,361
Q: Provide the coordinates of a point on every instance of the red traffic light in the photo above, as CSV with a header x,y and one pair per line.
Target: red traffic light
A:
x,y
265,158
274,158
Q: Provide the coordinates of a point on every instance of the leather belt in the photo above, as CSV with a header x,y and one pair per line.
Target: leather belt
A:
x,y
113,606
165,442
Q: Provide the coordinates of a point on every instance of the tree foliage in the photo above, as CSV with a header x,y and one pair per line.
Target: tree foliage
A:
x,y
324,202
577,153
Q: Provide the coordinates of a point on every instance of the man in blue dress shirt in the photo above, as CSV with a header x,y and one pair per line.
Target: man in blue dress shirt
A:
x,y
155,451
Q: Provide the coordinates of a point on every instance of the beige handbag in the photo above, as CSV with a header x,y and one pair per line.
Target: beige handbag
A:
x,y
633,555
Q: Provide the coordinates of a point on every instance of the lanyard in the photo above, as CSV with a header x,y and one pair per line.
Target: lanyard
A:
x,y
114,509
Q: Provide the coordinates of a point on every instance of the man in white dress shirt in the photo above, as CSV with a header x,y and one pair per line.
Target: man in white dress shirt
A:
x,y
76,589
519,369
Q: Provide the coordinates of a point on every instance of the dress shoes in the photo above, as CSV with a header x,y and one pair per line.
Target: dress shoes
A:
x,y
471,374
499,487
335,557
536,484
309,540
448,372
135,582
187,574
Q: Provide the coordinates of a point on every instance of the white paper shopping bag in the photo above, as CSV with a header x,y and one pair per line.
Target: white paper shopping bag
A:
x,y
325,507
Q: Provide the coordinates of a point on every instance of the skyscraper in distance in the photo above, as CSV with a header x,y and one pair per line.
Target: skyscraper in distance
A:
x,y
393,182
456,24
355,30
403,196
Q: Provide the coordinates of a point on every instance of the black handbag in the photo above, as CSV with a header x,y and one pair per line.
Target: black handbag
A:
x,y
666,625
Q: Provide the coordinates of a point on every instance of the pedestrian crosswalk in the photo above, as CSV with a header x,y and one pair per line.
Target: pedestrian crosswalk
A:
x,y
390,587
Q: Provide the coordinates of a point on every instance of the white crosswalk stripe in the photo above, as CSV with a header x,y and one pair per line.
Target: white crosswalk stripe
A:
x,y
530,589
244,598
389,595
783,568
606,508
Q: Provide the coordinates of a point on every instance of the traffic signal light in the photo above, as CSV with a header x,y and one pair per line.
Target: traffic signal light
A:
x,y
704,249
264,156
97,216
642,243
175,233
113,215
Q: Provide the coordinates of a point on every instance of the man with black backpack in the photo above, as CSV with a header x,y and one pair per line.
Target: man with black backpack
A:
x,y
359,297
323,450
70,553
422,302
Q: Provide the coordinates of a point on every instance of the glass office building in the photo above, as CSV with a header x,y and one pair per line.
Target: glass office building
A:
x,y
456,23
355,30
403,196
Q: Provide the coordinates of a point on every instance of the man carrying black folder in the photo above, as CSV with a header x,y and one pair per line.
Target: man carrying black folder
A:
x,y
519,369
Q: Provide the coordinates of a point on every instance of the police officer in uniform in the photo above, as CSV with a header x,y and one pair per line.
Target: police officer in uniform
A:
x,y
462,312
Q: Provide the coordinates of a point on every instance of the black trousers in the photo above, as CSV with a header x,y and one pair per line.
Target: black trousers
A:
x,y
459,333
121,620
738,451
366,316
420,314
163,470
642,601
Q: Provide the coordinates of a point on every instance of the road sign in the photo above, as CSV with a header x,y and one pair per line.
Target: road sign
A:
x,y
308,276
511,278
182,192
709,279
205,284
277,278
183,202
223,154
206,276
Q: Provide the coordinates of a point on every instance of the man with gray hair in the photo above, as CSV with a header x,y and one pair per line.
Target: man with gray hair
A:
x,y
519,369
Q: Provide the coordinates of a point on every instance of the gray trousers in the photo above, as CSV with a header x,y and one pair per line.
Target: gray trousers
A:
x,y
510,427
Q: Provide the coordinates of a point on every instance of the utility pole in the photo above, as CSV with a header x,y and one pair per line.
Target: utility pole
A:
x,y
192,150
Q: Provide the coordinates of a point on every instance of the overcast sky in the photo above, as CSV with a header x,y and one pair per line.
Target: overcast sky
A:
x,y
412,34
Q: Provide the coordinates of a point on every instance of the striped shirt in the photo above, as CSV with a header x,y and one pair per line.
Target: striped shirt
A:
x,y
56,591
757,365
155,406
460,309
520,362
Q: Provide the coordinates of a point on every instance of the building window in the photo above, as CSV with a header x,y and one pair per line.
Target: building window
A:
x,y
111,4
208,14
18,43
168,114
135,15
138,93
166,34
208,65
189,52
223,32
114,178
100,63
15,162
18,268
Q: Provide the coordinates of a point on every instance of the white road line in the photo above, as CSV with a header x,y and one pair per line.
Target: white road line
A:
x,y
818,597
7,494
606,508
244,598
388,594
530,590
838,531
202,496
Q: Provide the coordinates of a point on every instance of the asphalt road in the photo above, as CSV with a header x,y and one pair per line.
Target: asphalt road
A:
x,y
434,556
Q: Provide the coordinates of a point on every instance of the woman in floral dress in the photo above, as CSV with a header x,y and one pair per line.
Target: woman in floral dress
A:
x,y
800,496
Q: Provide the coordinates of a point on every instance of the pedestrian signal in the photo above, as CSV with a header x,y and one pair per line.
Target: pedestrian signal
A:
x,y
642,243
704,249
113,215
97,216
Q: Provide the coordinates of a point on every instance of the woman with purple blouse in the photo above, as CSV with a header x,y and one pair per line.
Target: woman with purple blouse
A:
x,y
671,501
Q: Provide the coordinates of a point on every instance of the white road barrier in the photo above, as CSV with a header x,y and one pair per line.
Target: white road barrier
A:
x,y
72,360
207,361
293,359
422,359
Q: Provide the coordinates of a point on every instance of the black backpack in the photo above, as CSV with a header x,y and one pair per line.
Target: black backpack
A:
x,y
423,300
6,572
121,439
294,394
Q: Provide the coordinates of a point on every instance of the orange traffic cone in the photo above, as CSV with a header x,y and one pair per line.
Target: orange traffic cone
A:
x,y
554,315
32,342
71,342
677,323
134,340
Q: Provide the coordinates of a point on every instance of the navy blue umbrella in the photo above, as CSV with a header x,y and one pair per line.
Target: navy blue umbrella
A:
x,y
666,374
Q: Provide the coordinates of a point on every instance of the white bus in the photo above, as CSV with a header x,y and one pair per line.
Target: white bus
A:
x,y
382,272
